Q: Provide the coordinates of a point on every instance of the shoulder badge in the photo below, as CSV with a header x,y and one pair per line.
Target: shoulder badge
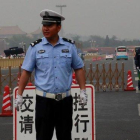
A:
x,y
68,40
35,42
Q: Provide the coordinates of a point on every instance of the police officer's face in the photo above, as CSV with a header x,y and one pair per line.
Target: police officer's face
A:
x,y
51,30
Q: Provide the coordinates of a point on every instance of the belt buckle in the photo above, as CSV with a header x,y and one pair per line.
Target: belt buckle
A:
x,y
58,97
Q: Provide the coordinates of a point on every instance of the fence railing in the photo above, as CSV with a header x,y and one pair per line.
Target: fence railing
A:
x,y
105,78
13,62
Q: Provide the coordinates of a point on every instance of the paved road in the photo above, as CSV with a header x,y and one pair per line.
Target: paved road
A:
x,y
117,116
117,113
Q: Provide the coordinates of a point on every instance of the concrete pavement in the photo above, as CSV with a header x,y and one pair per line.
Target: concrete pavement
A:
x,y
117,113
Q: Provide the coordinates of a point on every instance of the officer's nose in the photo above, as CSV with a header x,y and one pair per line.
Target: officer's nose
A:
x,y
46,27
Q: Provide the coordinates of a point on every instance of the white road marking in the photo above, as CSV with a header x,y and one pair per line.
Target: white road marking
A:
x,y
135,73
137,91
136,78
139,109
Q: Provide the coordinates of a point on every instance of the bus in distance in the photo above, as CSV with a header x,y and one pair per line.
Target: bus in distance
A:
x,y
121,53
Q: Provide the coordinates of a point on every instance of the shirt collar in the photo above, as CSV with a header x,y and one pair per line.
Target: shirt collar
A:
x,y
45,41
60,41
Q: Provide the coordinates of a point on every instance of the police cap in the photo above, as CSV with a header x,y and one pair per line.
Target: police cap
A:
x,y
50,17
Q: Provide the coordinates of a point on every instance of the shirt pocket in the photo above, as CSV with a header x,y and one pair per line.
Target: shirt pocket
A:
x,y
65,59
43,61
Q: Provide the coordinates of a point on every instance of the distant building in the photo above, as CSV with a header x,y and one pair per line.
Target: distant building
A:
x,y
9,31
37,33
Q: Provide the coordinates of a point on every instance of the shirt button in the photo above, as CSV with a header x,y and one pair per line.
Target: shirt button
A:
x,y
54,57
55,67
55,77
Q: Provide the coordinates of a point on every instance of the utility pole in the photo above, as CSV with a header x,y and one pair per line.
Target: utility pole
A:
x,y
23,45
61,6
4,42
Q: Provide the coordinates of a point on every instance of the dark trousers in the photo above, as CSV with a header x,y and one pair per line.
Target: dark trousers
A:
x,y
52,114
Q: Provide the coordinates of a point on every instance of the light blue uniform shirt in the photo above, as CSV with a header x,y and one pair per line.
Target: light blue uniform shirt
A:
x,y
53,65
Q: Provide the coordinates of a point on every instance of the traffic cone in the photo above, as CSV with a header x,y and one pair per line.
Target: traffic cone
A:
x,y
29,84
6,107
129,82
74,79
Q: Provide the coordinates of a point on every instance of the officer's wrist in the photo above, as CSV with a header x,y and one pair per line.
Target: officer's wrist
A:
x,y
82,90
19,95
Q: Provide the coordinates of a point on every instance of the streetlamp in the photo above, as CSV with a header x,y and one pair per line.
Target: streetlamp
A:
x,y
91,42
94,43
23,45
5,43
61,6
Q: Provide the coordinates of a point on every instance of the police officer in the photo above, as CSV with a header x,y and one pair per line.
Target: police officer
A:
x,y
136,59
137,64
54,59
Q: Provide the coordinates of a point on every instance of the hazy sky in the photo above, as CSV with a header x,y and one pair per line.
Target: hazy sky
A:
x,y
83,17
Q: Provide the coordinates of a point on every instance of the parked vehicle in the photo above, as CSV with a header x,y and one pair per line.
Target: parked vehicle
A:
x,y
109,57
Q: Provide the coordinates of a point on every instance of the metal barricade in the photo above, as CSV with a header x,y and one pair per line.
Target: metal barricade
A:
x,y
105,78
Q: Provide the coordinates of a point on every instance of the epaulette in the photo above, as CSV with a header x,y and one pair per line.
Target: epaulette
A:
x,y
68,40
35,42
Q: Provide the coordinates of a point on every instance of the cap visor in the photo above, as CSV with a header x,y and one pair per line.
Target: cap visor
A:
x,y
48,23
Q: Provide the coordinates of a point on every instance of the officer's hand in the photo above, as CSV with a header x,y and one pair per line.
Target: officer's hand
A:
x,y
18,102
83,97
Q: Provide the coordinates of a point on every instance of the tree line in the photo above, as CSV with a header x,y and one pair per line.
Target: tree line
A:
x,y
98,41
92,41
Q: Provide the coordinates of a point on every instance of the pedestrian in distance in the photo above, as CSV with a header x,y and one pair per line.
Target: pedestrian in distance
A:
x,y
134,53
53,58
137,64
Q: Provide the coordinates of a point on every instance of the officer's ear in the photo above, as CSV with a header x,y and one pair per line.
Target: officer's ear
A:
x,y
59,27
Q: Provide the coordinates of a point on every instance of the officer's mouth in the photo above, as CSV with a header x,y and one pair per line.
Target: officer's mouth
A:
x,y
46,33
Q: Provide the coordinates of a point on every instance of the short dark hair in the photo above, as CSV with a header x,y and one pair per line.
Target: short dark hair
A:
x,y
58,23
